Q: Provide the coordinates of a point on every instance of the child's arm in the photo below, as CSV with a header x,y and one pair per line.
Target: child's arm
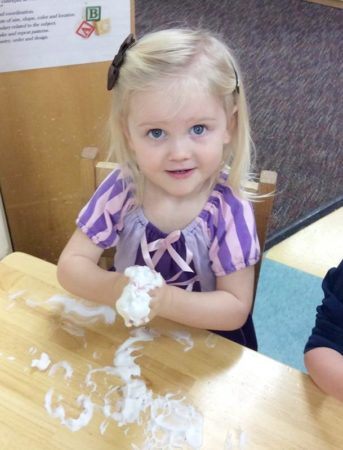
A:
x,y
325,367
78,272
226,308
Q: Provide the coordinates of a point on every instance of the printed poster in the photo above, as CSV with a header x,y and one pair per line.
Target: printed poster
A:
x,y
49,33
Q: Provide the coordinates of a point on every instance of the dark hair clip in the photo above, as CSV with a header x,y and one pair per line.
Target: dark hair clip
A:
x,y
113,71
237,82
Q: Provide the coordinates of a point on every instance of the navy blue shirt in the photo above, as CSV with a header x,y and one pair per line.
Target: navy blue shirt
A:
x,y
328,330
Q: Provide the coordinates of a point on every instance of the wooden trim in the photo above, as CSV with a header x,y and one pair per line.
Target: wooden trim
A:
x,y
87,173
332,3
132,16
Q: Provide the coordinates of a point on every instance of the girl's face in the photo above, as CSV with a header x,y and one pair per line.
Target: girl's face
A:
x,y
177,148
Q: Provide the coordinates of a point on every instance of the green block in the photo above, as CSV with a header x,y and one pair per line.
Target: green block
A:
x,y
93,13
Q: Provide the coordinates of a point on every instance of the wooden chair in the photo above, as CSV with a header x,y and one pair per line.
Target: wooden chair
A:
x,y
265,188
93,172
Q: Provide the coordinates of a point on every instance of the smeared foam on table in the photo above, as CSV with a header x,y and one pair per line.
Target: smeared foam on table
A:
x,y
96,355
211,340
134,303
171,421
15,295
63,365
72,328
81,311
9,357
42,363
183,337
235,439
59,413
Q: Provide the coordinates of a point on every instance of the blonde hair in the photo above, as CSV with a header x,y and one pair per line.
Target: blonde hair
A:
x,y
183,56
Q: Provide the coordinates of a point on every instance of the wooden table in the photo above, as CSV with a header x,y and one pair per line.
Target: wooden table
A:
x,y
245,398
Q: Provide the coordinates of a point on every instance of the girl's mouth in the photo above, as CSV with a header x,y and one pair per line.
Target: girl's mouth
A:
x,y
182,173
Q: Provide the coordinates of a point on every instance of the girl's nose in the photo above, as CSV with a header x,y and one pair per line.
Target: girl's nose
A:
x,y
179,149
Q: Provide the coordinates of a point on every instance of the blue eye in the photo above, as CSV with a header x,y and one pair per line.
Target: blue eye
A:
x,y
198,130
156,133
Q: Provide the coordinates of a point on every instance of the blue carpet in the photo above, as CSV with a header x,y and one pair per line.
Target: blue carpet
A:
x,y
285,311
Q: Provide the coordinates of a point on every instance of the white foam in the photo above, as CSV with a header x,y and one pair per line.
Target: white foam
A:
x,y
133,304
211,340
235,439
63,365
183,337
32,303
110,370
33,350
103,426
85,416
171,422
72,328
135,398
42,363
15,295
96,355
80,311
59,412
83,310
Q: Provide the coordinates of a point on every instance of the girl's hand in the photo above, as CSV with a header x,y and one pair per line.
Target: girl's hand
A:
x,y
160,300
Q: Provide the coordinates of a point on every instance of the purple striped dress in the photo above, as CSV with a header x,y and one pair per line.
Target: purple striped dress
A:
x,y
220,240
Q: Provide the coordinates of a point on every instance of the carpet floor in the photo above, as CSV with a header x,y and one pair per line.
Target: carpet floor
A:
x,y
292,61
285,311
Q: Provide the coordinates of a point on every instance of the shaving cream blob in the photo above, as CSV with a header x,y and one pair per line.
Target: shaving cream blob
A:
x,y
134,303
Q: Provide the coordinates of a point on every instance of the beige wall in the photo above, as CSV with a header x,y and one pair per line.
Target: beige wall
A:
x,y
47,116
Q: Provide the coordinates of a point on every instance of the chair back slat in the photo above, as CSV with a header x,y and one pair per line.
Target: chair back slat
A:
x,y
102,169
87,173
262,210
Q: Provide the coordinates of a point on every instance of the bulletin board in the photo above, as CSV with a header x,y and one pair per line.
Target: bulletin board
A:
x,y
48,113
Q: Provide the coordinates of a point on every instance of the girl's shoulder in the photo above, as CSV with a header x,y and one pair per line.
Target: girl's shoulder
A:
x,y
102,217
118,179
231,229
222,197
117,187
225,211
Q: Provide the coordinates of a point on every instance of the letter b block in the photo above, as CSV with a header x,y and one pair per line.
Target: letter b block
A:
x,y
93,13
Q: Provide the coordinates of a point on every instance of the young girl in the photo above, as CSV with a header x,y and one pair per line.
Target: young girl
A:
x,y
179,120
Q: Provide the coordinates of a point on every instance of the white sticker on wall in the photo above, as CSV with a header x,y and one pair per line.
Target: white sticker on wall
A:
x,y
39,33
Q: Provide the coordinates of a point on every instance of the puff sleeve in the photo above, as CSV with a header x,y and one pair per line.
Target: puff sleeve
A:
x,y
232,231
101,219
